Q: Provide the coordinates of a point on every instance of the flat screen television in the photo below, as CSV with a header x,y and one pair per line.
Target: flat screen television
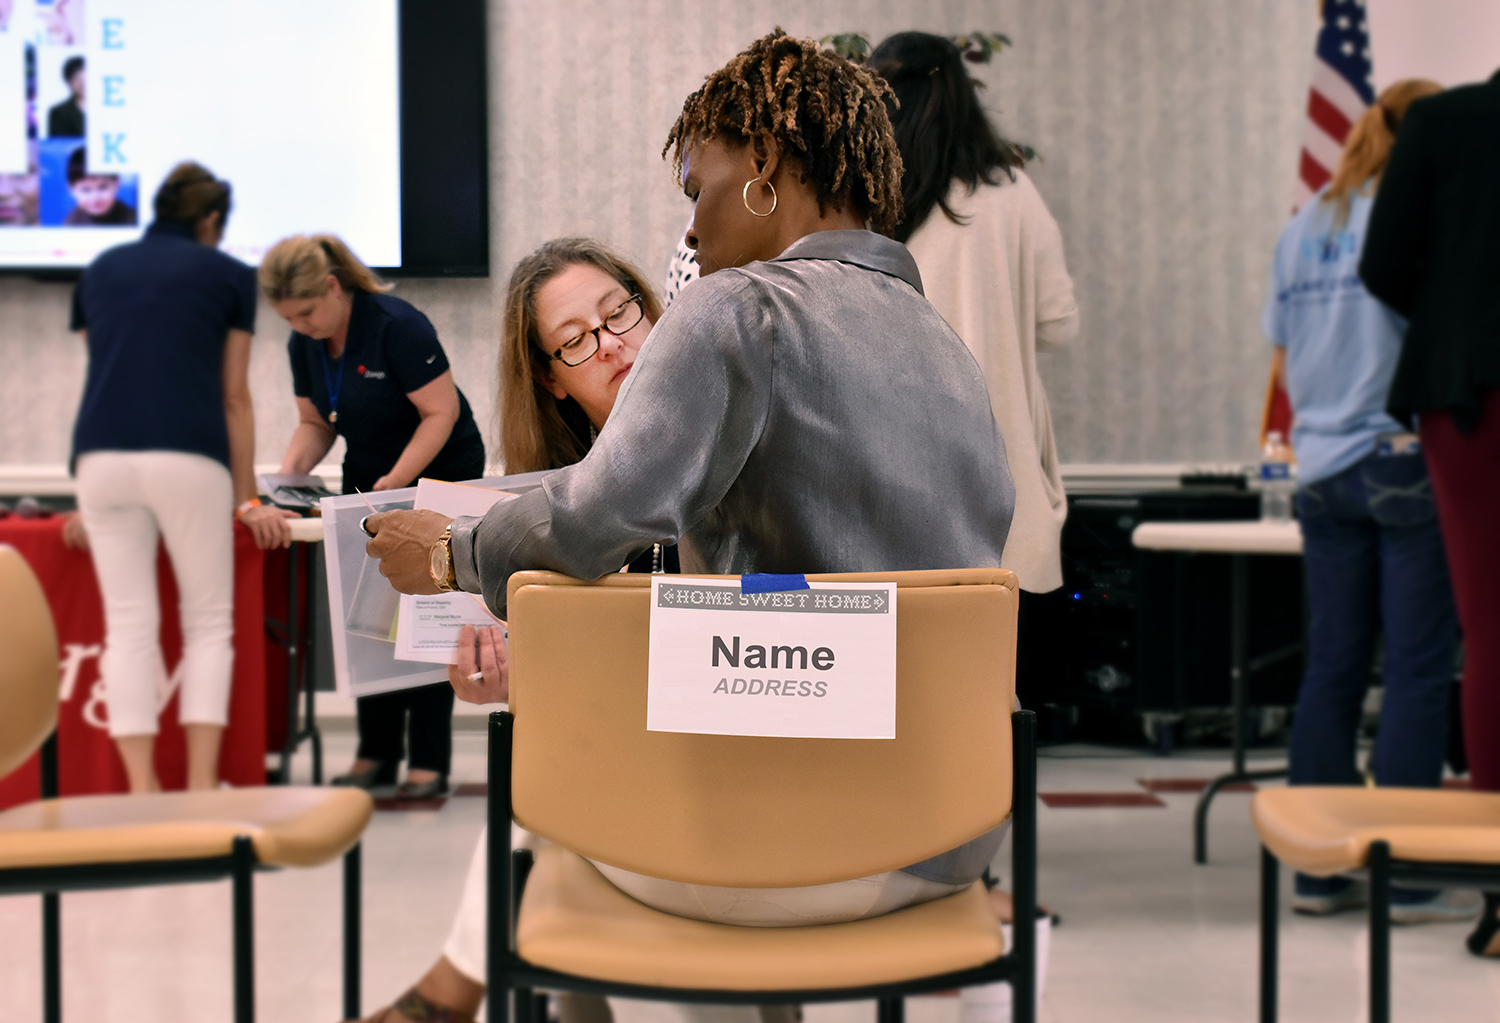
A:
x,y
362,118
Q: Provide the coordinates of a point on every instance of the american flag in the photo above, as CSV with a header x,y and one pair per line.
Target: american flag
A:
x,y
1340,93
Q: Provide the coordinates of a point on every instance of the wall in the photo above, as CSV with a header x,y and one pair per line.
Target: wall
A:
x,y
1453,43
1168,131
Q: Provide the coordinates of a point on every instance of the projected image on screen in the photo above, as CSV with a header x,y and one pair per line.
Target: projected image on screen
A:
x,y
293,101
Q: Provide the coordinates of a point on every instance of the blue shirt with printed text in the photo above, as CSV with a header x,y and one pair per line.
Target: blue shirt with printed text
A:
x,y
1341,343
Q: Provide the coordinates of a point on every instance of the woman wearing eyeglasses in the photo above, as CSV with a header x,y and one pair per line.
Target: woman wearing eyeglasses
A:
x,y
576,314
575,317
368,366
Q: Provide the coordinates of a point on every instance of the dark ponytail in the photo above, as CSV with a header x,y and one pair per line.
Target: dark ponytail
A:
x,y
940,125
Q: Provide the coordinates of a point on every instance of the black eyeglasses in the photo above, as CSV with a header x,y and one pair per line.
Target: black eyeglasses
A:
x,y
578,350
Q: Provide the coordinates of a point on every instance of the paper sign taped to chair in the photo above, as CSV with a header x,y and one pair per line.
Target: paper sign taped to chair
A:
x,y
818,663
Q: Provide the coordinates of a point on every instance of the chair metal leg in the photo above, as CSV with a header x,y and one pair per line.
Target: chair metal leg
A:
x,y
51,957
352,931
499,923
244,930
314,735
1270,922
890,1010
1380,932
525,1006
289,743
1023,865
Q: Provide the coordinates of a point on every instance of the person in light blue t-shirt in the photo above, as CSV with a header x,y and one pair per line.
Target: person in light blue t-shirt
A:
x,y
1338,343
1372,548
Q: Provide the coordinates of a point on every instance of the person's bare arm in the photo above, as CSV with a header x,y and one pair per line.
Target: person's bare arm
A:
x,y
240,414
266,524
437,404
310,441
1278,366
74,535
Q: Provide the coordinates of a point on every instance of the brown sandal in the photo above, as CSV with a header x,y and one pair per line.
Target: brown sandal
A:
x,y
413,1008
1485,940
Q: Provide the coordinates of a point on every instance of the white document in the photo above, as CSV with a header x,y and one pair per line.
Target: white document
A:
x,y
808,663
427,627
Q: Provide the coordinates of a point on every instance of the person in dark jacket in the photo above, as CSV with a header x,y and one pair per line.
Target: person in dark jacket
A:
x,y
65,120
1433,254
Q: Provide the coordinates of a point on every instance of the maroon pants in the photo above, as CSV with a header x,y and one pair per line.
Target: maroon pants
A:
x,y
1465,472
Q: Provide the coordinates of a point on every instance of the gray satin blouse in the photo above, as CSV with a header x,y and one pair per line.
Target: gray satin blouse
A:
x,y
808,414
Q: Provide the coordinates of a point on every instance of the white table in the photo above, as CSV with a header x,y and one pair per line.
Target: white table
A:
x,y
299,656
1239,540
1220,537
306,530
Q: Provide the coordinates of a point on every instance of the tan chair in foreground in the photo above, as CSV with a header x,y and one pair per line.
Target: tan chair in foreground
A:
x,y
1422,838
93,842
573,762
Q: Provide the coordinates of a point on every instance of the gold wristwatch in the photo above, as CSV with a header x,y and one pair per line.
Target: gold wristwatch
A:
x,y
441,562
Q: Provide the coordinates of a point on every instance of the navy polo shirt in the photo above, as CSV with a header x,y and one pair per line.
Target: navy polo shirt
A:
x,y
391,350
158,312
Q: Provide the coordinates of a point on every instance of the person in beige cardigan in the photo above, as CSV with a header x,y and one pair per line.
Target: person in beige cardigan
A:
x,y
991,259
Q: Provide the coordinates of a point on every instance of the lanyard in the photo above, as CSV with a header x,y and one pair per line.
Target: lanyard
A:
x,y
329,378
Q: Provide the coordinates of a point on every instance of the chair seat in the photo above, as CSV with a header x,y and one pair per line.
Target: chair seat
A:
x,y
1328,830
574,921
290,827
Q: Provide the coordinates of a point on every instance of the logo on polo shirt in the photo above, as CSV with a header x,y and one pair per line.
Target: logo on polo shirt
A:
x,y
371,374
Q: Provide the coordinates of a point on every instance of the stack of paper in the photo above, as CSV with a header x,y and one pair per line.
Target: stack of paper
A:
x,y
427,627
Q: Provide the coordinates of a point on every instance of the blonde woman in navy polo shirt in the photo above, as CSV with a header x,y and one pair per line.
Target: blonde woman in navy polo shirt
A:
x,y
164,447
368,366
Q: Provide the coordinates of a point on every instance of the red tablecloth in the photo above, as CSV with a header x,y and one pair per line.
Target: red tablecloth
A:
x,y
88,762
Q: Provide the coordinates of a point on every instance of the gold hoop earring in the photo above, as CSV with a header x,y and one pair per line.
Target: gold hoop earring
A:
x,y
745,196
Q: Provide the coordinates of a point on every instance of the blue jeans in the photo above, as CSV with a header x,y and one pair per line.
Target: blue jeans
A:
x,y
1374,560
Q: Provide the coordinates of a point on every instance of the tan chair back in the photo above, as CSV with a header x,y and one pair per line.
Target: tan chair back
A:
x,y
759,812
28,662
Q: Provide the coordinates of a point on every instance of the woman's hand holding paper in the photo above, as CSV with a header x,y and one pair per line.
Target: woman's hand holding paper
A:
x,y
482,652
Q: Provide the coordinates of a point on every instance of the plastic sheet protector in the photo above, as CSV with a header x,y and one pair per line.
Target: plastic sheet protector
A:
x,y
363,605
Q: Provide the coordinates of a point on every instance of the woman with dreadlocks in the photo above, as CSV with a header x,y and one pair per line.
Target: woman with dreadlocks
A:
x,y
801,408
804,372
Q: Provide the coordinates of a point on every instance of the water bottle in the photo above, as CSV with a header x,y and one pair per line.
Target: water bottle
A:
x,y
1276,483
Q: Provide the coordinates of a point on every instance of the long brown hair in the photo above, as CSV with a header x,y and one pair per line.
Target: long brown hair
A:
x,y
1370,140
537,431
299,267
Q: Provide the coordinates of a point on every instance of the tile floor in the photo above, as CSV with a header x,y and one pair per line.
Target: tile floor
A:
x,y
1146,936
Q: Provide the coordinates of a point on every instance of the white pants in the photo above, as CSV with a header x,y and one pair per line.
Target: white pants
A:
x,y
836,903
746,907
128,499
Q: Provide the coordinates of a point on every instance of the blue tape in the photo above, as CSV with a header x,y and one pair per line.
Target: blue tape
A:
x,y
765,582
